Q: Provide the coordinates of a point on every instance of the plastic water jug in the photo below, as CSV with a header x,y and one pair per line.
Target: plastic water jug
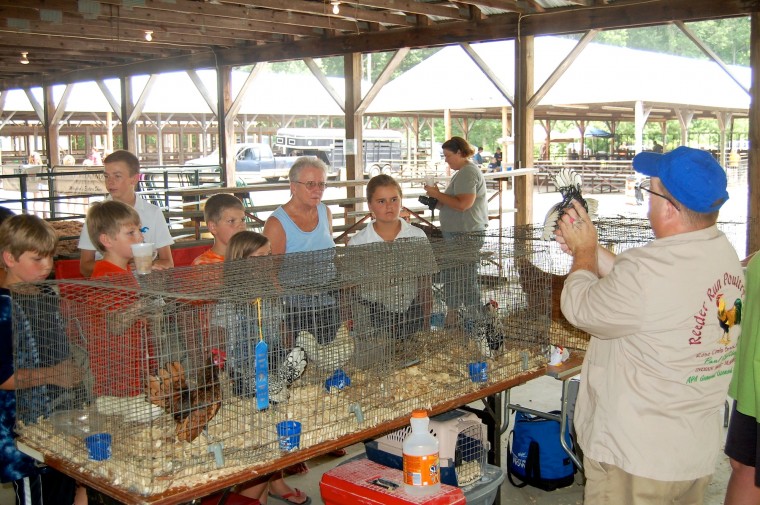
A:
x,y
422,472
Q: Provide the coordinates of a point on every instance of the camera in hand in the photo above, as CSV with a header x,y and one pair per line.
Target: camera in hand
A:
x,y
429,201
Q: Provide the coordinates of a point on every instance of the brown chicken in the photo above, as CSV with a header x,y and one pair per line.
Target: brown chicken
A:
x,y
534,283
192,407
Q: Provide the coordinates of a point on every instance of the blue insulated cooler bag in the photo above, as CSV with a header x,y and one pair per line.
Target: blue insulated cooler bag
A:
x,y
535,455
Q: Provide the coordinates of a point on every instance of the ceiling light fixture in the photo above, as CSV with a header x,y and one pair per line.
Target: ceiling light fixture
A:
x,y
148,35
24,60
336,6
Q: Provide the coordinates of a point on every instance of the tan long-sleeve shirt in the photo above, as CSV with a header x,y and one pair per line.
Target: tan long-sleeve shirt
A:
x,y
655,376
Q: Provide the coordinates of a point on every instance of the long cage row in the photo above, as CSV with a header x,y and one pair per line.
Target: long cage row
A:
x,y
192,370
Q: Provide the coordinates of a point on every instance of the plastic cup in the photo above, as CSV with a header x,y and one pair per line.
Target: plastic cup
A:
x,y
338,380
478,371
289,433
144,254
429,180
99,446
437,319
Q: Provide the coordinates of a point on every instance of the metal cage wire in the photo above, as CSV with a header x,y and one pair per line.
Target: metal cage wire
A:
x,y
355,337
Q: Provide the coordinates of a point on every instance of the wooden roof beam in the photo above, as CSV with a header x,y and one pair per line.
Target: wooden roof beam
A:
x,y
495,27
46,42
409,7
205,11
562,68
140,20
347,10
382,79
172,38
632,14
326,84
518,6
709,53
488,72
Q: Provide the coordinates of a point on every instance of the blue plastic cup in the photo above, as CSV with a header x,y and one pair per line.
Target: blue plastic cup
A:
x,y
478,371
289,433
437,319
338,380
99,446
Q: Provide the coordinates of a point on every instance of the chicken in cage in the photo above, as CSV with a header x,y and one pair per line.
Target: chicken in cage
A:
x,y
190,370
616,234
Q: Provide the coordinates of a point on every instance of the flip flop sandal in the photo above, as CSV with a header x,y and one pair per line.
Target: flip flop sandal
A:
x,y
286,498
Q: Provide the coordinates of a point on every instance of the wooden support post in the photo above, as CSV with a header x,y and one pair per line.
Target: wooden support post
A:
x,y
753,168
523,129
352,67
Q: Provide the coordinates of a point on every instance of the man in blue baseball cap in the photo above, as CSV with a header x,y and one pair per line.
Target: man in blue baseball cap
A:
x,y
691,176
656,373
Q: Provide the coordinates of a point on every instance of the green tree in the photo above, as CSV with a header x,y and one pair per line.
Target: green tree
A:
x,y
729,38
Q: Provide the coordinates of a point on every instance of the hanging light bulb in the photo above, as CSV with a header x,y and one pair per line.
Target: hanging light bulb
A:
x,y
148,35
24,60
336,7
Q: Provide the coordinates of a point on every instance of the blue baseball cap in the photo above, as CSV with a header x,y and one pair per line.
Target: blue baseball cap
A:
x,y
691,175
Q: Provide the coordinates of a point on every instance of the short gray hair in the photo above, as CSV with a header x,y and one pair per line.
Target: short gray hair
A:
x,y
304,162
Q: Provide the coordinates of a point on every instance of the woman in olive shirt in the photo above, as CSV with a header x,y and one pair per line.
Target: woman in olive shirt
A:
x,y
464,219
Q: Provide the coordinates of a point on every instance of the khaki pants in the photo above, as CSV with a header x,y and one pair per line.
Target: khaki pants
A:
x,y
607,484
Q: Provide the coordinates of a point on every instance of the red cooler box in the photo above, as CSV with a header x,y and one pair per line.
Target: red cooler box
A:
x,y
364,482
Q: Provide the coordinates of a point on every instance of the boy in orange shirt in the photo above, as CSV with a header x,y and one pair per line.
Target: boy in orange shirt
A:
x,y
115,346
225,216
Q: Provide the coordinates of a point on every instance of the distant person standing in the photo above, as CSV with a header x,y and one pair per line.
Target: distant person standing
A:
x,y
478,158
34,159
120,174
495,165
464,219
94,157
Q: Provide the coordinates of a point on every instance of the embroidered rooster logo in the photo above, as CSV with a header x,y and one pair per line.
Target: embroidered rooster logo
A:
x,y
728,317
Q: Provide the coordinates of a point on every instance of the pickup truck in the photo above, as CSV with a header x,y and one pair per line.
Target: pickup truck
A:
x,y
252,159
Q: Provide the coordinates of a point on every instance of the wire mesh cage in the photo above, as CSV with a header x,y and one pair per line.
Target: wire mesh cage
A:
x,y
192,370
616,234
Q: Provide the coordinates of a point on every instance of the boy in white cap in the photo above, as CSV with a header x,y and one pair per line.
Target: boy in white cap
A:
x,y
664,325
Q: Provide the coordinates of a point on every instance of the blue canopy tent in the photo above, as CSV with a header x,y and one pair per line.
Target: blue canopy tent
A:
x,y
594,133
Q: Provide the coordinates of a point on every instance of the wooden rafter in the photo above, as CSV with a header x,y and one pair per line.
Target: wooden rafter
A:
x,y
67,44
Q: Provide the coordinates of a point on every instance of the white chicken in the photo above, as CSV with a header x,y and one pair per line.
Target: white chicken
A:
x,y
328,357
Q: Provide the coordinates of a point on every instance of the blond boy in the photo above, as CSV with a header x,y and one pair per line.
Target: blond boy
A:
x,y
121,173
113,227
115,330
27,244
225,216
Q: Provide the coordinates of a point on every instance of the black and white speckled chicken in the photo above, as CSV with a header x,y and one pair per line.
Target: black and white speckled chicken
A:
x,y
288,372
489,330
569,183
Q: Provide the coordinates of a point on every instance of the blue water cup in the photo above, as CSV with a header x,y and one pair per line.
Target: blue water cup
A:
x,y
99,446
289,434
478,371
337,380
